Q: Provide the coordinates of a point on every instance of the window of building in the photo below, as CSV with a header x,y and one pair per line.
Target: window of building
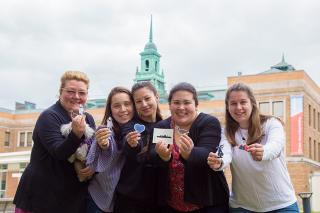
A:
x,y
277,109
3,179
25,139
7,138
319,152
29,138
309,110
264,108
22,138
147,65
314,150
310,153
22,167
319,123
314,118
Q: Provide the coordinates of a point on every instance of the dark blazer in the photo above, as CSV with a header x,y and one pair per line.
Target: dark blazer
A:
x,y
202,185
50,183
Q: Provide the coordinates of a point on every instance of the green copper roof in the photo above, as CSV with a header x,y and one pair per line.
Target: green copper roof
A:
x,y
282,66
150,46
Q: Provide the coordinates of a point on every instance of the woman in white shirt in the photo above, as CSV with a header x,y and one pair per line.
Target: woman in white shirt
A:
x,y
253,144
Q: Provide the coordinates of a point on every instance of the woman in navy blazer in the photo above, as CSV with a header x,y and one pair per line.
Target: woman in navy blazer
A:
x,y
187,183
50,182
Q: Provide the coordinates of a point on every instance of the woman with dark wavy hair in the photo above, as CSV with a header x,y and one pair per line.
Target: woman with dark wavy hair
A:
x,y
188,183
136,190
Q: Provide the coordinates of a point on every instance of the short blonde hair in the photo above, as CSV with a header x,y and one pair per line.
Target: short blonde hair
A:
x,y
73,75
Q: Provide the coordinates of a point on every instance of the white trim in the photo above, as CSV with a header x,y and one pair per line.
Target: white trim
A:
x,y
15,157
303,159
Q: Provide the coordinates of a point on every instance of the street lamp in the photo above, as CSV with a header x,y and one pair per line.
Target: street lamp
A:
x,y
305,196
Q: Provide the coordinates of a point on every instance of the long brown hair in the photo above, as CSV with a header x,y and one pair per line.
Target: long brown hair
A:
x,y
108,112
148,85
255,131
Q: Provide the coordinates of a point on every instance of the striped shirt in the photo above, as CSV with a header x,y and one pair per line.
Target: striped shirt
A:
x,y
108,165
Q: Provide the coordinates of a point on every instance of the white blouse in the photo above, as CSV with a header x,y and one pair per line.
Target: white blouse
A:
x,y
259,186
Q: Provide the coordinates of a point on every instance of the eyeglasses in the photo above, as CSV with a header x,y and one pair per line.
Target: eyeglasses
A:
x,y
72,92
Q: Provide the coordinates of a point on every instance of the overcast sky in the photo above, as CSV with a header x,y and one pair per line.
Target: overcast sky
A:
x,y
201,41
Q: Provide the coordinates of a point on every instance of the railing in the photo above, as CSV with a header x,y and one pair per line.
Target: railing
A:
x,y
6,205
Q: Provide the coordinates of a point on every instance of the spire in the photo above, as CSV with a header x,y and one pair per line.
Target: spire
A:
x,y
283,58
150,46
150,34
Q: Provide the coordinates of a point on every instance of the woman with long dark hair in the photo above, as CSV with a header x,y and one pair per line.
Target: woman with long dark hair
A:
x,y
105,156
136,190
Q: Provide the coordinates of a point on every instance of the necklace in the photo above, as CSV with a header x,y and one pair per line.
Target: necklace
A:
x,y
182,131
242,137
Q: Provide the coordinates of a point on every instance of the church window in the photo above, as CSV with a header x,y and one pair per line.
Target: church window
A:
x,y
147,65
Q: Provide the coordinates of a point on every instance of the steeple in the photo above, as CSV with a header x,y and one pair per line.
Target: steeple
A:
x,y
150,67
150,33
150,46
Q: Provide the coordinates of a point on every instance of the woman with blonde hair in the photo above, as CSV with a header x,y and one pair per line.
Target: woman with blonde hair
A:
x,y
50,182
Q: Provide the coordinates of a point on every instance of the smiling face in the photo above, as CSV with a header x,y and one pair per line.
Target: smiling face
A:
x,y
121,107
73,94
183,108
146,104
240,108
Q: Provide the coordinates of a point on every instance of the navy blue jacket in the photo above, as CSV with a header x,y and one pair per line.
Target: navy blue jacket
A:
x,y
202,185
50,183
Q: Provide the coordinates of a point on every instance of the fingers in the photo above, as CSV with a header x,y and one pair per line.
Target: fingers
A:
x,y
78,125
86,172
164,150
214,161
256,151
186,143
102,137
185,146
133,138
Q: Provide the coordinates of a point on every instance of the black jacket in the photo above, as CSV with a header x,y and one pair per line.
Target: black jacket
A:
x,y
50,183
138,176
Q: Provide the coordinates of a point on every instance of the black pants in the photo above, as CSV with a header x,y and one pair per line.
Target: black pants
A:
x,y
125,204
211,209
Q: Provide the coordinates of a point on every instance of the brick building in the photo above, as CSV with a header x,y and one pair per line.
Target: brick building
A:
x,y
281,91
289,94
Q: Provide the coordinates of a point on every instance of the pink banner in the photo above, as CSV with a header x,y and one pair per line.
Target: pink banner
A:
x,y
296,127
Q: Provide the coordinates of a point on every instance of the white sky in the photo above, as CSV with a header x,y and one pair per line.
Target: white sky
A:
x,y
201,41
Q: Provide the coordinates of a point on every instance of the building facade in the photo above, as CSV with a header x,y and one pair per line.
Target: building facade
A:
x,y
281,91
